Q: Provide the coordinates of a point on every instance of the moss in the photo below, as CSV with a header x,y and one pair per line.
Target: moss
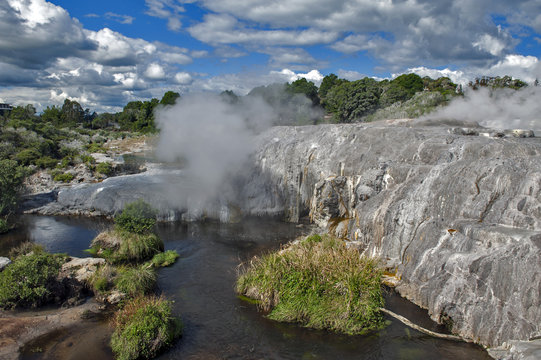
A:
x,y
165,259
65,177
143,328
318,284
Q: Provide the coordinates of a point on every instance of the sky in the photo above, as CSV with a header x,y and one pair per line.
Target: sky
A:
x,y
105,53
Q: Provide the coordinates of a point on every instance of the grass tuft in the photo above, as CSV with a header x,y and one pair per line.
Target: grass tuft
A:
x,y
143,328
135,281
119,246
165,259
318,283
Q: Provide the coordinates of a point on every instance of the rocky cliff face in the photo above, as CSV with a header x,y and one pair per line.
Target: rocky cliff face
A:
x,y
453,212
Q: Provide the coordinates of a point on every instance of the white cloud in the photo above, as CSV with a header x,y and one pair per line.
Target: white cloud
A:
x,y
166,9
225,29
289,75
456,76
123,19
183,78
155,72
490,44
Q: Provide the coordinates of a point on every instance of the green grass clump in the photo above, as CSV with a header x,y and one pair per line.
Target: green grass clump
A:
x,y
120,246
165,258
102,279
319,284
29,279
4,226
65,177
25,248
143,328
135,281
137,217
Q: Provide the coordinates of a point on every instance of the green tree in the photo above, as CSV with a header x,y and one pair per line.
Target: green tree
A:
x,y
51,115
169,98
303,86
72,113
11,181
350,101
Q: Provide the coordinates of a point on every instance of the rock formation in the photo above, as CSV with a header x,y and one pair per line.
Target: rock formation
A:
x,y
453,210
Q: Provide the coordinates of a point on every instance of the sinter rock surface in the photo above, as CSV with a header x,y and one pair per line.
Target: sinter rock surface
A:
x,y
452,210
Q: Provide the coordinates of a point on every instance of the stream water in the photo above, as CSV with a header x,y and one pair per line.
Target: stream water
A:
x,y
218,325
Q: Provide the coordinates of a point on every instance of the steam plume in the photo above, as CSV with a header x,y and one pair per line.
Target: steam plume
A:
x,y
497,109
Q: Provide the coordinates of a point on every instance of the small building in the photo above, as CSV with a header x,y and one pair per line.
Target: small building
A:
x,y
4,108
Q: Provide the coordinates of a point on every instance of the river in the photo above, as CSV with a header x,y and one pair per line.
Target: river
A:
x,y
218,325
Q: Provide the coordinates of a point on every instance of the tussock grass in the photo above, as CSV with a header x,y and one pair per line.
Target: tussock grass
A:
x,y
318,283
135,281
143,328
118,246
102,280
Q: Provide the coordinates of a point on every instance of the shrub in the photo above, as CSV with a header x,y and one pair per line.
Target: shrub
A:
x,y
104,168
137,217
4,226
28,281
319,284
143,328
135,281
165,258
27,156
46,162
63,177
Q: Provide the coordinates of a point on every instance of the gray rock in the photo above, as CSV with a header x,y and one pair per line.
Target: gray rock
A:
x,y
4,261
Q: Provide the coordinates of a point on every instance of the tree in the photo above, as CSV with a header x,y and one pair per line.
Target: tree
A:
x,y
72,113
350,101
51,115
303,86
169,98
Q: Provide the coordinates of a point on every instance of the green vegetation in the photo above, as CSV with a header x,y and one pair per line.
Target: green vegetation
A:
x,y
318,283
164,259
11,180
137,217
28,281
143,328
104,168
135,281
121,246
63,177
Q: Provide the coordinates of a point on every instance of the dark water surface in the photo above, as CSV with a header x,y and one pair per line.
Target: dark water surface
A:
x,y
218,325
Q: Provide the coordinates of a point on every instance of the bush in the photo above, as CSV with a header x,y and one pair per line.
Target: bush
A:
x,y
143,328
11,180
137,217
165,258
135,281
104,168
63,177
28,281
4,226
319,284
27,156
46,162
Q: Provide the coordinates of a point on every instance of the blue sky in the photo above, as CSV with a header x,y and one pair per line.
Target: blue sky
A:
x,y
106,53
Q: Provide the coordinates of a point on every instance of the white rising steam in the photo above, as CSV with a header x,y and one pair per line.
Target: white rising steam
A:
x,y
213,138
497,109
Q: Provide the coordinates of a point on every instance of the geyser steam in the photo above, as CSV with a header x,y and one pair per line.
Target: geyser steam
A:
x,y
212,137
497,109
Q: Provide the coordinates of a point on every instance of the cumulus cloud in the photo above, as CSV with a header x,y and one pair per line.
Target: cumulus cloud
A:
x,y
155,72
289,75
183,78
